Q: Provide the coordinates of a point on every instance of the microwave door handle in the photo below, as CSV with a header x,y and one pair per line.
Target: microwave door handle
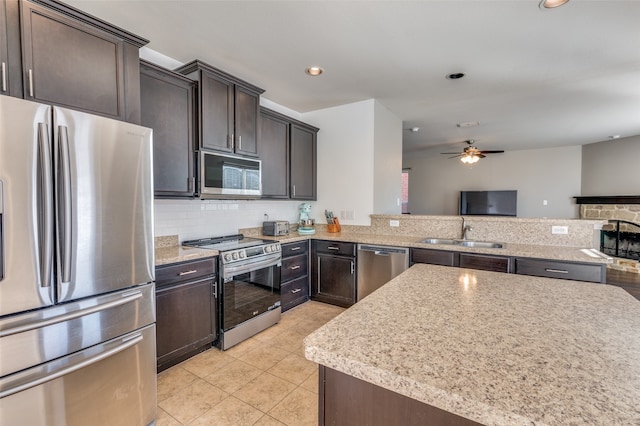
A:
x,y
64,206
44,187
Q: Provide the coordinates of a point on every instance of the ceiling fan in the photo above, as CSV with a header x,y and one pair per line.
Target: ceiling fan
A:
x,y
471,154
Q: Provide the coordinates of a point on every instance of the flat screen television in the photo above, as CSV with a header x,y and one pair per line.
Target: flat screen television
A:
x,y
488,203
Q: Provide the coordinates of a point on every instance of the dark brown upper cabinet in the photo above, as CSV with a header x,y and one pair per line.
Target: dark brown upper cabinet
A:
x,y
303,162
74,60
274,153
228,110
10,51
168,107
288,154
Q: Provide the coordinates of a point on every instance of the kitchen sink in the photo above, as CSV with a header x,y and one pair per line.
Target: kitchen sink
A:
x,y
439,241
463,243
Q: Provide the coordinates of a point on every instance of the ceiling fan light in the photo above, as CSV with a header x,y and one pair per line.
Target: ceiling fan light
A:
x,y
550,4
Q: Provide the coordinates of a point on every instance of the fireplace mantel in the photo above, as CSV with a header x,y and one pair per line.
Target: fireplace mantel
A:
x,y
609,199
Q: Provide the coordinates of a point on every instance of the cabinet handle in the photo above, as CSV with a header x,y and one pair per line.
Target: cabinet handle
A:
x,y
240,143
4,77
295,248
31,83
353,267
193,271
557,271
297,290
191,183
293,268
233,141
294,190
333,248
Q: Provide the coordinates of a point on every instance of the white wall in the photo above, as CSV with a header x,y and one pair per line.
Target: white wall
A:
x,y
345,160
611,167
544,174
387,161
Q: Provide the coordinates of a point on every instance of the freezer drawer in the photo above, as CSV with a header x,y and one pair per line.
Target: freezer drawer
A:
x,y
113,383
33,338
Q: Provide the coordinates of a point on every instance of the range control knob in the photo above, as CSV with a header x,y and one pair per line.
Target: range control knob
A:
x,y
267,249
243,255
235,255
227,257
276,247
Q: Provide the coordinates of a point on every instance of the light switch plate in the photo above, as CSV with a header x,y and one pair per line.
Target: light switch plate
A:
x,y
562,230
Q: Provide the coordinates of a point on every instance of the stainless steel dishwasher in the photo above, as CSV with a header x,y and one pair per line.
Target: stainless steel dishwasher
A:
x,y
377,265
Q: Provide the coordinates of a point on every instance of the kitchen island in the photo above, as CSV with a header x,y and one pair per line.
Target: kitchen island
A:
x,y
489,347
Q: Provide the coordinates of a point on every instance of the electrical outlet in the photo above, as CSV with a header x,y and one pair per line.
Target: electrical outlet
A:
x,y
563,230
545,202
394,223
347,215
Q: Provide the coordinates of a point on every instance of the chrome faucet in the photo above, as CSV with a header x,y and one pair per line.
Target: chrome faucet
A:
x,y
465,229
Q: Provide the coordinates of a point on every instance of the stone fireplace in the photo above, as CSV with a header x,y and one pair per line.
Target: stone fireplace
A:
x,y
620,238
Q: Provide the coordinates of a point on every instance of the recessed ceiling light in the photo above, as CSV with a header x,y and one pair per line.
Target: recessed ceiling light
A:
x,y
614,137
415,129
314,71
550,4
455,76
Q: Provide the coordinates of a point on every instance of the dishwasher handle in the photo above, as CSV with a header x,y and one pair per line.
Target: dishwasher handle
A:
x,y
383,250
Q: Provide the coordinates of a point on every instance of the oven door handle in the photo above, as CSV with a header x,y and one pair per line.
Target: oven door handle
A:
x,y
264,262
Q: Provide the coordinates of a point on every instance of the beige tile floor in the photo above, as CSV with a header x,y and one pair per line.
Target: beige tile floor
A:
x,y
263,381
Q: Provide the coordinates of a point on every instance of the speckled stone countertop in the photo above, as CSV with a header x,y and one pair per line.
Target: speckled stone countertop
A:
x,y
572,254
499,349
168,251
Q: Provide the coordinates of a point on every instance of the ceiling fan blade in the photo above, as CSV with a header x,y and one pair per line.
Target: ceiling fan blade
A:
x,y
455,156
449,153
481,156
491,152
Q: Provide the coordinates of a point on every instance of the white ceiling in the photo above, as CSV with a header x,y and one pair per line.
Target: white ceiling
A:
x,y
534,78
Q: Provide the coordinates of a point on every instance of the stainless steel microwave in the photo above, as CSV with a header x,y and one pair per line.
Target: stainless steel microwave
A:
x,y
229,176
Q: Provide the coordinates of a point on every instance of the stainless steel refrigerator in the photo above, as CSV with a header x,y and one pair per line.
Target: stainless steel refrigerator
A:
x,y
77,307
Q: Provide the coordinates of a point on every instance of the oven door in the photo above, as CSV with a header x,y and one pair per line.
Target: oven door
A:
x,y
249,288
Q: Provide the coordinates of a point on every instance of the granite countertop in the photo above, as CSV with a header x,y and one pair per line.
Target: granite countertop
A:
x,y
168,250
495,348
572,254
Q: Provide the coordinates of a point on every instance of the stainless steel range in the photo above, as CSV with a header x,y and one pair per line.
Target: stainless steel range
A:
x,y
249,285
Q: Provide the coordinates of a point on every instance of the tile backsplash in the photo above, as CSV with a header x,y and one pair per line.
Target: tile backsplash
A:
x,y
191,219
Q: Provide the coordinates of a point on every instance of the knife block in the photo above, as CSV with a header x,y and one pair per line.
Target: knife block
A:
x,y
334,227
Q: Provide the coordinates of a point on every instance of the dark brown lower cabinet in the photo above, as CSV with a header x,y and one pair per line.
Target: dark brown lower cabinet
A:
x,y
485,262
434,257
294,277
345,400
186,311
333,277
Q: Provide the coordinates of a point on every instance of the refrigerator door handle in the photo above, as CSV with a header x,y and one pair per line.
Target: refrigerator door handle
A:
x,y
45,206
121,299
64,204
125,343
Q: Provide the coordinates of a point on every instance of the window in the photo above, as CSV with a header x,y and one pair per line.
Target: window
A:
x,y
405,191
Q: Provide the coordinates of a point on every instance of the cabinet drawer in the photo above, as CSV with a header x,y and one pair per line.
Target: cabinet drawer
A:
x,y
434,257
335,247
485,262
563,270
293,267
177,272
294,249
294,292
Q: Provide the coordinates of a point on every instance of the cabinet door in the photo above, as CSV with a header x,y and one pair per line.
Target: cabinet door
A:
x,y
434,257
167,102
335,280
274,153
563,270
485,262
303,163
216,114
247,110
4,50
71,64
185,318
